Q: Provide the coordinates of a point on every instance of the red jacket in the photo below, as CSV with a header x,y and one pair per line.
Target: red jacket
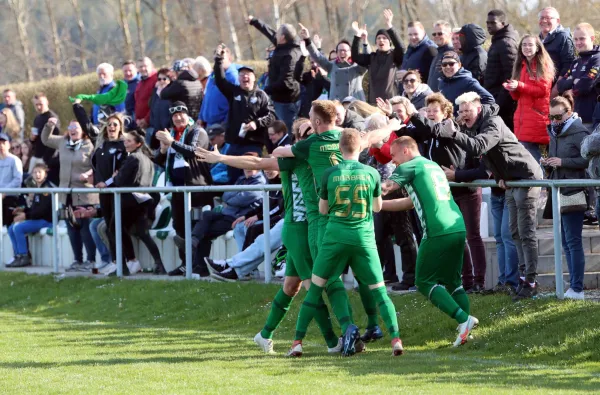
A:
x,y
143,94
383,154
533,107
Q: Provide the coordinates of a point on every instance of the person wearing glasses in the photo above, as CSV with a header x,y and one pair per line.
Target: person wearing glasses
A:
x,y
160,118
456,80
414,88
557,41
442,36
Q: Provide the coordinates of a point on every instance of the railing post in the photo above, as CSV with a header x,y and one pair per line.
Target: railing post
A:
x,y
556,224
267,236
55,238
118,235
187,212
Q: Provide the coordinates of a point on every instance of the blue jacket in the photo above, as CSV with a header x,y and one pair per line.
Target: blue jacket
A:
x,y
561,49
160,118
463,82
238,204
215,106
130,99
435,71
584,69
420,57
219,170
96,108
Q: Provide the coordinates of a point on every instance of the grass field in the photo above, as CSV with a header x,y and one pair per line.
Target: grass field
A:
x,y
88,336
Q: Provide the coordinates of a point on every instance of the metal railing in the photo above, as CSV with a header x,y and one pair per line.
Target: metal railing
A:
x,y
555,186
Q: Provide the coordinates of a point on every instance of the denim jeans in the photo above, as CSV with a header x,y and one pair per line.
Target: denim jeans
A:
x,y
18,233
287,112
508,260
239,233
82,237
571,229
102,248
248,260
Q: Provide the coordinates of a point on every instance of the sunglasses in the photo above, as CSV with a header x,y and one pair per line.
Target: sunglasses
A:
x,y
556,117
115,124
437,34
72,128
163,79
448,64
173,110
409,81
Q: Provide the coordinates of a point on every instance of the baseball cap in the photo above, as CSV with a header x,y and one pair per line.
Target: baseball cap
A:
x,y
243,67
348,99
215,130
4,137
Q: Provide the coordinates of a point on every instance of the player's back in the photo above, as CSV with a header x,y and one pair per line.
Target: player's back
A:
x,y
350,188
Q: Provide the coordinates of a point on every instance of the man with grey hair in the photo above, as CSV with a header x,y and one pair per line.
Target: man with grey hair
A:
x,y
105,72
282,87
558,42
204,69
442,36
482,133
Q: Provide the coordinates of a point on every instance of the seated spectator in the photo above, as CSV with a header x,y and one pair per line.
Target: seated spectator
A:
x,y
160,119
347,118
9,124
31,219
11,176
41,153
105,72
16,146
75,152
216,135
278,135
414,89
473,57
16,107
187,89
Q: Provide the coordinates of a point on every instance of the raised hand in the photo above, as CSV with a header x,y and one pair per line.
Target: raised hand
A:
x,y
317,40
207,156
388,15
220,51
304,33
52,121
365,34
357,30
384,105
249,18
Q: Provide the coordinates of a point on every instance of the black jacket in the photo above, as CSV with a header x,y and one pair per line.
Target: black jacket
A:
x,y
137,171
501,58
313,86
39,149
420,57
561,49
382,67
41,206
160,118
474,58
282,86
185,88
492,140
244,107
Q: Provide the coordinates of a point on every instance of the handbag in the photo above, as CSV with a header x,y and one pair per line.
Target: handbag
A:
x,y
575,202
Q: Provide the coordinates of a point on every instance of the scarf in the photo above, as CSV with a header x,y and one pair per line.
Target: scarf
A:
x,y
74,146
557,128
179,136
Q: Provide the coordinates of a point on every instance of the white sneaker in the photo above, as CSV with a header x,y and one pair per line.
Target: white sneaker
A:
x,y
101,266
337,349
111,267
134,267
295,351
265,344
570,294
281,271
464,330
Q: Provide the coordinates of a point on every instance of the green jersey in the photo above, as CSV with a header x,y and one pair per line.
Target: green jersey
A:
x,y
295,178
429,191
349,189
321,151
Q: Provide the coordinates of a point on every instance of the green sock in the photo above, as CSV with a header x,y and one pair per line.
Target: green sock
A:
x,y
366,296
443,301
339,303
308,310
279,308
462,299
387,310
324,322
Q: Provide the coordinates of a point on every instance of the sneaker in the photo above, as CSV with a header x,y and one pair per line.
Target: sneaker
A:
x,y
475,289
87,266
296,350
349,340
134,266
215,265
265,344
228,275
401,287
102,265
464,330
372,334
159,269
520,286
570,294
281,272
337,349
397,349
11,262
178,271
75,267
22,261
359,346
111,267
527,292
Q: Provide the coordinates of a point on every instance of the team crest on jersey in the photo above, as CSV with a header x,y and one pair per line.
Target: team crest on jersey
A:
x,y
593,73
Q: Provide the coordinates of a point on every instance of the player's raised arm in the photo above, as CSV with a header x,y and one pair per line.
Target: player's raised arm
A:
x,y
240,162
376,136
283,152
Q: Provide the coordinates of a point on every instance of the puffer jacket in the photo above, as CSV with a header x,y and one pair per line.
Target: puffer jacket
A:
x,y
474,58
420,57
185,88
533,107
501,58
566,145
460,83
590,150
561,49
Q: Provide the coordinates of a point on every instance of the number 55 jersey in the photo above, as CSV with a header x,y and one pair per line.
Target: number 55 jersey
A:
x,y
429,191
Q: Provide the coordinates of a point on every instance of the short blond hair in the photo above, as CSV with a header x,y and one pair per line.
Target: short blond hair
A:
x,y
587,28
410,108
469,97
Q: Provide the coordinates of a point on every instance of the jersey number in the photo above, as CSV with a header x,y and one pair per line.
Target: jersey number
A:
x,y
348,204
440,184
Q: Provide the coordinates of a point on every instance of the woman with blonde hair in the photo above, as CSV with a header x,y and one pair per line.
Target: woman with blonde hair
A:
x,y
364,109
9,124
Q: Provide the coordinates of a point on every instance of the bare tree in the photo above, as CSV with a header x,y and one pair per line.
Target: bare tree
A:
x,y
166,28
123,19
20,14
214,4
251,31
232,32
55,40
81,27
331,20
140,30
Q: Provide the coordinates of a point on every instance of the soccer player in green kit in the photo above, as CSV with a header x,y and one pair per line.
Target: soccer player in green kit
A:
x,y
296,178
440,256
349,193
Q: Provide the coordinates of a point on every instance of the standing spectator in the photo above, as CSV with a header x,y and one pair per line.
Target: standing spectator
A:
x,y
456,40
347,118
442,36
215,106
11,176
557,41
75,152
420,52
218,171
346,76
314,83
204,69
9,124
502,55
530,87
11,102
160,119
176,155
278,135
473,57
31,219
282,87
564,157
143,92
414,88
41,153
105,72
583,74
187,89
383,63
251,111
132,77
456,81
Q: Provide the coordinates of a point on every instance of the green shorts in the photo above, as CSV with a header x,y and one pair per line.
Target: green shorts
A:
x,y
334,257
298,261
440,261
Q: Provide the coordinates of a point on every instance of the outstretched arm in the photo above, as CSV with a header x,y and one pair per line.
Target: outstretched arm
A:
x,y
283,152
239,162
402,204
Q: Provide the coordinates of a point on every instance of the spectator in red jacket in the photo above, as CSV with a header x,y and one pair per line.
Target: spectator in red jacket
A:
x,y
143,92
397,107
530,86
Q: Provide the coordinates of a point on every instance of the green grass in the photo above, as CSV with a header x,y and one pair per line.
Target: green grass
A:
x,y
88,336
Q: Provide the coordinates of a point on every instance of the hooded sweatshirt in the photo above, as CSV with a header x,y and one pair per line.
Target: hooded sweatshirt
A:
x,y
474,57
460,83
420,57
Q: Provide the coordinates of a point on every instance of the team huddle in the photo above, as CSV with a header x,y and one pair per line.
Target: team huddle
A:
x,y
329,200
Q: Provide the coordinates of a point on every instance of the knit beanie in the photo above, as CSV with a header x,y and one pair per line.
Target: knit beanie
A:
x,y
113,97
383,32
